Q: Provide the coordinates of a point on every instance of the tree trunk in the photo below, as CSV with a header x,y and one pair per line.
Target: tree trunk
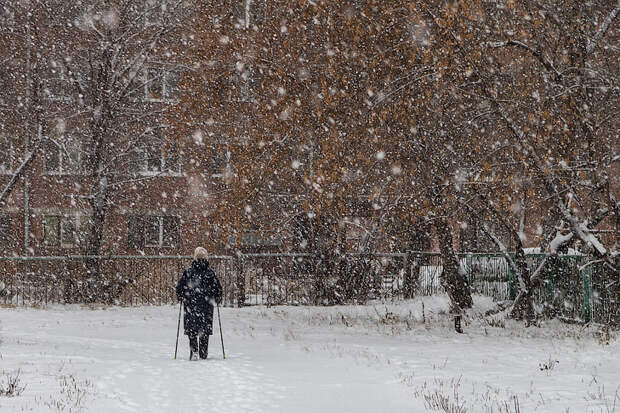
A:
x,y
96,288
410,282
452,280
240,281
523,307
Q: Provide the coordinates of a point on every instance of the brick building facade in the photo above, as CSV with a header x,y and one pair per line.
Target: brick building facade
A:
x,y
158,187
169,185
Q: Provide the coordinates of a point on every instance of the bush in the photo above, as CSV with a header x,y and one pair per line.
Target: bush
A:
x,y
11,385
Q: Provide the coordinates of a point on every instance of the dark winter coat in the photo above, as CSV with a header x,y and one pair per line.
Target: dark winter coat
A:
x,y
196,288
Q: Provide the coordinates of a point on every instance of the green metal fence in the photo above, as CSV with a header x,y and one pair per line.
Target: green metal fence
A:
x,y
571,287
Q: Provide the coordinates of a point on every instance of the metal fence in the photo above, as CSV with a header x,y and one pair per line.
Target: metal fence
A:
x,y
126,280
570,289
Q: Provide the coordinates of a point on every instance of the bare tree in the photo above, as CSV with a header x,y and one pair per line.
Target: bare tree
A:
x,y
112,71
21,102
546,76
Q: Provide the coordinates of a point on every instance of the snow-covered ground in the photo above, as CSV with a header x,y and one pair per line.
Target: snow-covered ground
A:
x,y
374,358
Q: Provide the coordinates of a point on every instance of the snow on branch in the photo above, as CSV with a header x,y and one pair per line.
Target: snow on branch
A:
x,y
506,254
537,54
603,28
559,241
579,228
16,175
554,246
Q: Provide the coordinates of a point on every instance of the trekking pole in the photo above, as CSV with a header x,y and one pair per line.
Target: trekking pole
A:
x,y
219,319
176,346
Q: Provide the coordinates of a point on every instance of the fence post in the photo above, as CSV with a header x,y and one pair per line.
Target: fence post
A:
x,y
549,283
586,274
407,282
511,283
240,282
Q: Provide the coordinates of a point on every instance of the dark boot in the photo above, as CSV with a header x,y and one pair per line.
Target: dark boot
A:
x,y
193,346
457,323
204,346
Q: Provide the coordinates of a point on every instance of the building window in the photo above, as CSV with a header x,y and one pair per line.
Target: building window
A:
x,y
248,13
64,157
51,231
57,89
156,160
65,230
249,82
6,84
259,239
160,83
6,237
56,86
154,12
219,162
7,16
244,84
6,160
153,231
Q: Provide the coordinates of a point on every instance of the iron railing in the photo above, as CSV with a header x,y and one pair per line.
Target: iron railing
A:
x,y
570,289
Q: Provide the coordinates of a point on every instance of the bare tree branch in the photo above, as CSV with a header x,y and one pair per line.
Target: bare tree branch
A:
x,y
603,28
536,53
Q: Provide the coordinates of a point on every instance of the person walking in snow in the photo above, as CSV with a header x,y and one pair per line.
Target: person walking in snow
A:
x,y
200,290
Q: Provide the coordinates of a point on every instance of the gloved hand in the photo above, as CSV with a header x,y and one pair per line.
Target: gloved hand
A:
x,y
212,302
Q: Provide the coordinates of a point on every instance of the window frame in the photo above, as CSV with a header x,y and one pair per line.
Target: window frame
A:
x,y
53,84
143,168
260,239
145,223
7,17
72,231
63,154
249,13
225,164
163,80
47,231
6,223
148,226
57,87
62,221
9,169
154,13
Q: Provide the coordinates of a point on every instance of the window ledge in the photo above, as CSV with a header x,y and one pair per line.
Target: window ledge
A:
x,y
58,99
162,174
161,100
52,173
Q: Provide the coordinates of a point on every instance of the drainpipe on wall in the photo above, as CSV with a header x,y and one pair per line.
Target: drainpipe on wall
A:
x,y
27,134
26,213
